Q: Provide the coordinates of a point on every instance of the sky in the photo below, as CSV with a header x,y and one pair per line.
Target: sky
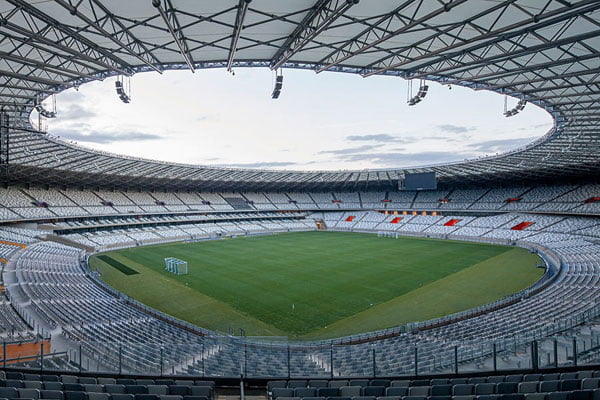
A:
x,y
327,121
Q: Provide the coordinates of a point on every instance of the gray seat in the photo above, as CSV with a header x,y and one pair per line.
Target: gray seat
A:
x,y
87,380
400,391
477,379
51,394
535,396
159,390
29,393
107,381
8,393
16,383
568,375
327,392
275,384
121,396
93,387
305,392
33,385
585,374
338,384
549,386
459,381
52,386
441,390
400,383
170,397
419,391
550,377
373,391
114,389
485,388
532,377
464,397
590,383
528,387
297,384
507,387
465,389
98,396
558,396
69,379
489,397
136,389
282,392
380,382
567,385
350,391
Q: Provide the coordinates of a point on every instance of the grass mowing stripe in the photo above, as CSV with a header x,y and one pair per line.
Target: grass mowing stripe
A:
x,y
118,265
298,283
478,284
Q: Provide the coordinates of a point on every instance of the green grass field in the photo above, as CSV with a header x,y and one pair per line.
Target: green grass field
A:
x,y
310,285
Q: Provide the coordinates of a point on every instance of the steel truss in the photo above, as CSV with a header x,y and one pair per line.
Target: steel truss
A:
x,y
544,51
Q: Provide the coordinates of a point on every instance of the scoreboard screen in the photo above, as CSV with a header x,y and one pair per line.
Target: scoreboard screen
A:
x,y
420,181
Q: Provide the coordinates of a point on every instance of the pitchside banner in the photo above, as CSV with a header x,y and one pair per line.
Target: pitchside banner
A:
x,y
418,181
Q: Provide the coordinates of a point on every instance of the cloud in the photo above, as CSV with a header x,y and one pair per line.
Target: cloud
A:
x,y
501,145
265,164
449,128
103,137
380,137
402,159
71,96
76,112
536,127
352,150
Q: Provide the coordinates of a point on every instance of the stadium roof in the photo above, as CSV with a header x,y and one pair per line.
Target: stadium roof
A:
x,y
545,51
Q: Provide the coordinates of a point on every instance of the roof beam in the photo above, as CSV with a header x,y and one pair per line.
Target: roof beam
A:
x,y
530,81
588,85
141,52
316,21
31,78
92,52
44,66
237,30
561,14
536,68
174,28
502,57
32,37
343,55
447,31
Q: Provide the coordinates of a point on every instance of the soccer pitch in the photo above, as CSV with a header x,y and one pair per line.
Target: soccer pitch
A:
x,y
309,285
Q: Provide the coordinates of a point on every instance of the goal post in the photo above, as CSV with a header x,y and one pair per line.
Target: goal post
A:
x,y
176,266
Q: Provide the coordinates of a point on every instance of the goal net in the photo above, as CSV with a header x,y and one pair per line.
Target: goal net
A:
x,y
176,266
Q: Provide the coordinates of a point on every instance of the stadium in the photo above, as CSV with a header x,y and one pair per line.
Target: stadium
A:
x,y
126,278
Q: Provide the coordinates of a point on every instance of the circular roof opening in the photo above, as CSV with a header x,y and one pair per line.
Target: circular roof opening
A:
x,y
320,122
